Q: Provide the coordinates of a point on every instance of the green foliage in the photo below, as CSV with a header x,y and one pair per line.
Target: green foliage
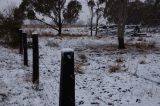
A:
x,y
91,3
55,10
10,21
31,15
71,13
48,6
113,10
135,11
138,12
151,13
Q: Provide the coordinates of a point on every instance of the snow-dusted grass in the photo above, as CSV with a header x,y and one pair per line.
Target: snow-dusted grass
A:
x,y
135,84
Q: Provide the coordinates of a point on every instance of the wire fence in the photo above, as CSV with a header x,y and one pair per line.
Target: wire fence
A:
x,y
78,83
48,85
56,78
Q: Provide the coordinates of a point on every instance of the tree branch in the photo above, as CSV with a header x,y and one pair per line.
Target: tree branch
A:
x,y
46,24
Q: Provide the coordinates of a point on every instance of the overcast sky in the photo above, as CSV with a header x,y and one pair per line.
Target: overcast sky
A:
x,y
5,3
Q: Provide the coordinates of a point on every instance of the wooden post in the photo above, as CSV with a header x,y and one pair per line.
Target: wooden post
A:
x,y
67,79
20,41
35,77
25,49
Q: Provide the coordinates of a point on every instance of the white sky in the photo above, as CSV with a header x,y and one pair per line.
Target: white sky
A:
x,y
5,3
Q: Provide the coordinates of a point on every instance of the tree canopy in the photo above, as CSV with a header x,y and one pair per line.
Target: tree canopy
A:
x,y
71,13
55,10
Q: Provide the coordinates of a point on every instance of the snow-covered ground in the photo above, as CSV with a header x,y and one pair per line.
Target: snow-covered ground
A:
x,y
135,83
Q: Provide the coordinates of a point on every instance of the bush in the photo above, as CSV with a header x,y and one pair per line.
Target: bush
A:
x,y
9,25
119,60
142,62
145,45
52,44
114,68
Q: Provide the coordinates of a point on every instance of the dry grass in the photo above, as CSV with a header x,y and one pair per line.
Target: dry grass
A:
x,y
72,35
145,45
142,46
46,34
100,48
82,59
119,60
140,39
78,67
50,34
114,68
52,44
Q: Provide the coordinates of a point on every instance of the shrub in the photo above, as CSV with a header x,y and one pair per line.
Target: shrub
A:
x,y
142,62
119,60
10,22
83,58
114,68
79,64
52,44
78,67
145,45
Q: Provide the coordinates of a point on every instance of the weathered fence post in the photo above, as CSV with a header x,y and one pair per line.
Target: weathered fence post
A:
x,y
20,41
67,79
25,49
35,77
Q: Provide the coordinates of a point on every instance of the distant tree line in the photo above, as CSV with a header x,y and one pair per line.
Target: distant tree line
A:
x,y
145,13
120,12
138,12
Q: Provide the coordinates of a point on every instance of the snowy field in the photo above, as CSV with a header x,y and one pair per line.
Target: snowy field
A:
x,y
105,76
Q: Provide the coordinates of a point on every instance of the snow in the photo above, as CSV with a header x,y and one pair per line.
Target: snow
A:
x,y
67,50
35,33
135,84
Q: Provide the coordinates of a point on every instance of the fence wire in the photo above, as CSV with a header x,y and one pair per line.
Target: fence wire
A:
x,y
50,84
78,83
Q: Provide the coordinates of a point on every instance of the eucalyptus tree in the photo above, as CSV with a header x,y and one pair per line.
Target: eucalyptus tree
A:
x,y
11,19
71,13
55,10
116,11
91,5
99,13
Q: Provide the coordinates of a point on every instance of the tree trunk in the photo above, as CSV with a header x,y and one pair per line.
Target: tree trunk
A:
x,y
91,21
121,36
97,21
98,17
121,23
60,24
59,19
60,29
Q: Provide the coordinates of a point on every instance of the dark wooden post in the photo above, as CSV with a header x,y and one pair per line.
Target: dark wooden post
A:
x,y
35,77
20,41
25,49
67,79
